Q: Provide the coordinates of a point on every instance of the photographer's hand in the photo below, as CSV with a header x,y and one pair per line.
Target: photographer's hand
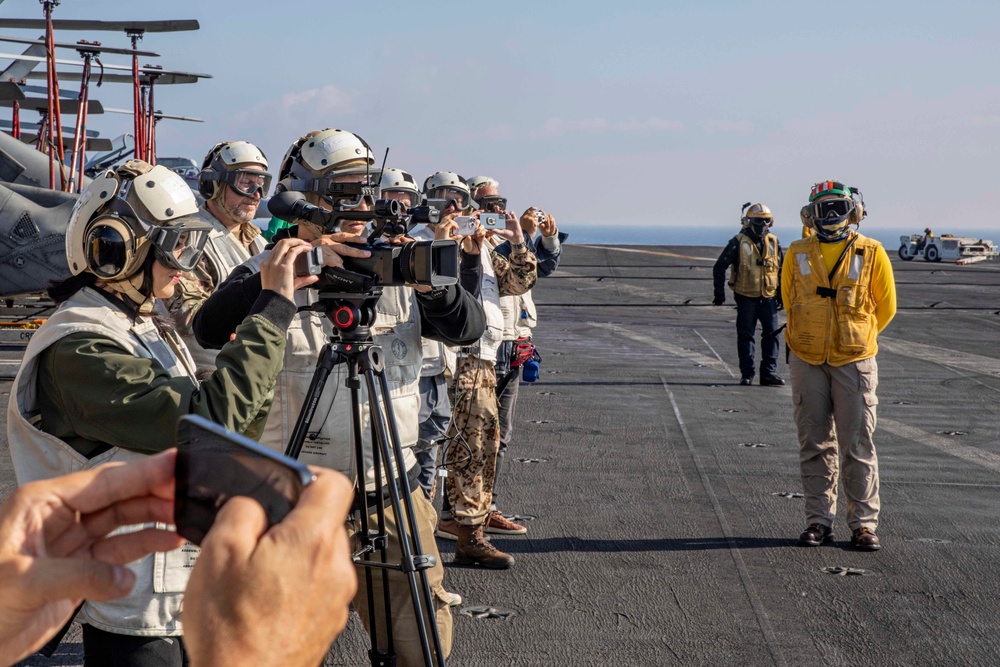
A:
x,y
473,243
54,548
277,271
512,232
274,598
334,249
548,227
445,230
529,222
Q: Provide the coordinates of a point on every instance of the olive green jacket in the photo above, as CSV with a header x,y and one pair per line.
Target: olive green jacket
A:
x,y
93,394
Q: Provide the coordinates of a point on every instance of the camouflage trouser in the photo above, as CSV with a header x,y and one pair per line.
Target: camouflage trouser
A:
x,y
473,441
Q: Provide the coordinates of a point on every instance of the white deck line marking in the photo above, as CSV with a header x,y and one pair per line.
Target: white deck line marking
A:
x,y
974,455
758,608
690,355
941,355
724,364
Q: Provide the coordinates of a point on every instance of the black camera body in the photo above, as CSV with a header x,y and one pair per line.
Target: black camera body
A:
x,y
434,263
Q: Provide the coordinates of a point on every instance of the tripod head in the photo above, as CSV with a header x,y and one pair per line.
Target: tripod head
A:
x,y
352,314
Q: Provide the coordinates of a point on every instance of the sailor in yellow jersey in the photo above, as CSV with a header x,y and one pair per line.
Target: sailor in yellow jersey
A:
x,y
839,294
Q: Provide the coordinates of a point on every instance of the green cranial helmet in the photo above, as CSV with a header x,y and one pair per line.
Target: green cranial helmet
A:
x,y
832,208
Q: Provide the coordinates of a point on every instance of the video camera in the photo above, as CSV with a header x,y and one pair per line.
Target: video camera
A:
x,y
433,263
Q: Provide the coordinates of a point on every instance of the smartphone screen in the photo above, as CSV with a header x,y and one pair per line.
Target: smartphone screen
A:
x,y
215,464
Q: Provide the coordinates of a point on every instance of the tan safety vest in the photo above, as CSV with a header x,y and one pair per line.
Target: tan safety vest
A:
x,y
831,321
755,275
328,442
223,253
153,607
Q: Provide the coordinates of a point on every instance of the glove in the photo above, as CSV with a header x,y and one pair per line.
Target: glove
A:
x,y
718,300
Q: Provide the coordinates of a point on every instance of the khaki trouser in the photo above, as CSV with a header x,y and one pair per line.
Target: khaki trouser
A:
x,y
405,637
835,418
473,441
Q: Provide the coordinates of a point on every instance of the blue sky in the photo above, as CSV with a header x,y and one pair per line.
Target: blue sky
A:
x,y
666,114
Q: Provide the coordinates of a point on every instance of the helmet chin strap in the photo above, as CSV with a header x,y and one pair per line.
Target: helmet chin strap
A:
x,y
129,286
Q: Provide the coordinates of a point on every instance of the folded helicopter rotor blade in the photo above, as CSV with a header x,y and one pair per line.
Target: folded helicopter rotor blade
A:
x,y
94,107
89,47
180,25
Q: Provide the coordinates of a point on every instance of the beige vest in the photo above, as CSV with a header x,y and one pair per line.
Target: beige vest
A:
x,y
223,253
328,442
153,606
756,275
437,357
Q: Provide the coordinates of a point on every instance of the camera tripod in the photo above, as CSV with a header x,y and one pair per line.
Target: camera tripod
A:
x,y
351,343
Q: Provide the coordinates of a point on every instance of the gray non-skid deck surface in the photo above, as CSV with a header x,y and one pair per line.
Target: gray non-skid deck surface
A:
x,y
661,538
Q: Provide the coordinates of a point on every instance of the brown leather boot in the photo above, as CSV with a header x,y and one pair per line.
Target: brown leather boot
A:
x,y
474,549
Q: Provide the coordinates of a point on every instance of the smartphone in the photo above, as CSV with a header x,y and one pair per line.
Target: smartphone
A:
x,y
492,220
309,263
466,225
215,464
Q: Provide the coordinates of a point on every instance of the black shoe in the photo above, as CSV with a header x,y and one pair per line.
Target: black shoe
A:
x,y
864,539
814,535
746,382
771,381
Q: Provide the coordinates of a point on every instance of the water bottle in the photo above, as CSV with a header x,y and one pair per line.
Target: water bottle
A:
x,y
529,370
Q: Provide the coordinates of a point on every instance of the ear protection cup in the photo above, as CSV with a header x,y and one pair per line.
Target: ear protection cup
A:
x,y
206,186
805,214
110,248
857,214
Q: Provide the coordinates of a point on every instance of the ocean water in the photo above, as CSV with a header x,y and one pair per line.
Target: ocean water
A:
x,y
719,236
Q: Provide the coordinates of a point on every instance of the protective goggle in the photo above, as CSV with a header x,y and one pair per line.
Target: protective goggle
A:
x,y
248,182
404,197
180,246
492,203
832,209
461,196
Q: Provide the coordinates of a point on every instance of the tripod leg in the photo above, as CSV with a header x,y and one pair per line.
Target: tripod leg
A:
x,y
370,542
413,558
324,366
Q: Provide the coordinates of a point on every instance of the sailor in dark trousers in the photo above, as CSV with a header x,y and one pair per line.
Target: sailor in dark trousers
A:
x,y
755,258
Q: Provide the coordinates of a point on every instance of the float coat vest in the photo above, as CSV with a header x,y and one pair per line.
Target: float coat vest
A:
x,y
755,275
831,320
153,607
438,357
328,442
486,348
223,253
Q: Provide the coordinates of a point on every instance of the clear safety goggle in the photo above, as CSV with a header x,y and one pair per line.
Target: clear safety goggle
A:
x,y
248,182
179,247
832,209
405,197
446,193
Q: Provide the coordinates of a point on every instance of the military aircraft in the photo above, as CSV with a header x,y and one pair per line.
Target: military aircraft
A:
x,y
37,183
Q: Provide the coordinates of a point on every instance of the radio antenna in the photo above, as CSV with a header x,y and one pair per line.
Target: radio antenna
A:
x,y
382,169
